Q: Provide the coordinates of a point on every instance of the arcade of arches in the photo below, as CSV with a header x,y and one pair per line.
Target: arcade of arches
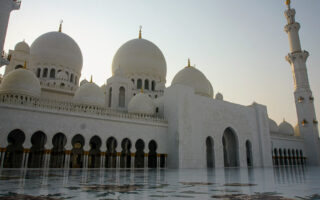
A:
x,y
282,157
16,156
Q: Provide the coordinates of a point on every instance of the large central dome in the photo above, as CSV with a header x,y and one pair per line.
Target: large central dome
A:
x,y
140,57
56,48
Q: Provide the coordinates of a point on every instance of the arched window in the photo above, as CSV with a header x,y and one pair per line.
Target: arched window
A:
x,y
52,73
71,78
210,152
230,148
132,81
45,72
153,85
146,84
122,97
249,153
139,84
18,67
38,72
157,109
110,97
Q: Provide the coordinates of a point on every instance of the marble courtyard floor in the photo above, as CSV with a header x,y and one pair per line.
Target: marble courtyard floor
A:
x,y
234,183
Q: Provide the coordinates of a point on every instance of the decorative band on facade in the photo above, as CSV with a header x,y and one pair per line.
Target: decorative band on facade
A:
x,y
86,153
146,155
3,149
133,154
118,153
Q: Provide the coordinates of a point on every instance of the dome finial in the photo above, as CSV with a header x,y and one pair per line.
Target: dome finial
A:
x,y
25,65
91,79
189,65
288,2
140,27
60,27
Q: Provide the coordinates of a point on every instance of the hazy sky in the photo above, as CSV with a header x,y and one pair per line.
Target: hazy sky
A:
x,y
239,45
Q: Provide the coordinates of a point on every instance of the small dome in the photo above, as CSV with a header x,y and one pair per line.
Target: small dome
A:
x,y
141,104
56,48
61,75
219,96
273,126
89,93
23,47
140,56
286,128
21,81
84,81
192,77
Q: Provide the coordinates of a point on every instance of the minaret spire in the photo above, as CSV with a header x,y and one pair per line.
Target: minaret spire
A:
x,y
60,26
302,92
140,34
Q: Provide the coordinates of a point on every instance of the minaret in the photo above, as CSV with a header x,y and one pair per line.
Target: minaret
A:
x,y
307,121
6,6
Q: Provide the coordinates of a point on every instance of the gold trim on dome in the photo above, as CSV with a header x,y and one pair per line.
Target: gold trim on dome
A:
x,y
189,65
288,2
60,26
140,34
25,65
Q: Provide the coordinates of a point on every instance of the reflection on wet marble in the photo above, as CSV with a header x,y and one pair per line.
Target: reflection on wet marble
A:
x,y
292,182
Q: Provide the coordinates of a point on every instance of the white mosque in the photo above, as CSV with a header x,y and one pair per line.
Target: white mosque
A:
x,y
50,120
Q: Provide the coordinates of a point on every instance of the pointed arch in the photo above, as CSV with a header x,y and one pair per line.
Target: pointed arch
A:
x,y
230,148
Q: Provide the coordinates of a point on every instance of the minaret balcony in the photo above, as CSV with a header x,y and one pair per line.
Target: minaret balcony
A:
x,y
292,27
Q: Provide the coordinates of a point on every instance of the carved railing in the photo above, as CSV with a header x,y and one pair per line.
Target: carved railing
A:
x,y
72,107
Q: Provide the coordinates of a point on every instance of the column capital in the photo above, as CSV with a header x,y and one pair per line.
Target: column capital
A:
x,y
291,57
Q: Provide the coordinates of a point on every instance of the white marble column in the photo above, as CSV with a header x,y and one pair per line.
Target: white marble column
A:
x,y
48,159
67,159
2,156
165,161
133,156
23,159
158,161
27,158
118,160
146,160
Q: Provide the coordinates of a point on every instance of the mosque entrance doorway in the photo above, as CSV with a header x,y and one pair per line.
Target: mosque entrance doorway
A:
x,y
77,151
230,148
249,153
210,152
14,153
